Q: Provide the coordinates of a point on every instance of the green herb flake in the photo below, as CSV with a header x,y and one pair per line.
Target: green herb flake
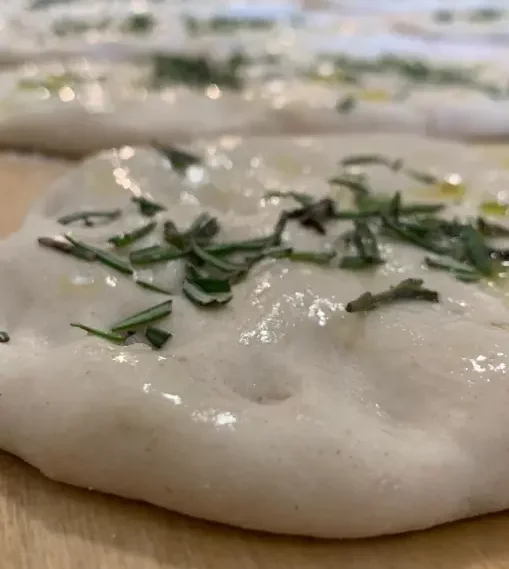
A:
x,y
157,337
198,71
144,317
200,297
315,215
461,271
179,159
62,245
203,228
313,257
489,229
409,289
112,337
125,239
147,206
155,254
152,286
89,217
142,23
4,337
476,250
213,260
365,160
346,104
105,257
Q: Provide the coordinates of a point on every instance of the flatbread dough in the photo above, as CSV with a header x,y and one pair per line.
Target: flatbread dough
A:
x,y
280,412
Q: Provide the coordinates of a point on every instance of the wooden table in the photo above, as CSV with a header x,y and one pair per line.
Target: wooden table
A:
x,y
45,525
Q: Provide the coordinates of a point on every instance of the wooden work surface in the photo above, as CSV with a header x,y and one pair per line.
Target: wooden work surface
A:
x,y
45,525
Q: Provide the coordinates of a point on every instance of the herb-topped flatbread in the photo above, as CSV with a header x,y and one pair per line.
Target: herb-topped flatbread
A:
x,y
269,334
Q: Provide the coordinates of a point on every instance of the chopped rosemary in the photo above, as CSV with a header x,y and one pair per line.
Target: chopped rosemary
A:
x,y
105,257
315,215
111,336
157,337
476,250
229,247
346,105
124,239
315,257
461,271
62,245
356,184
394,164
219,263
355,262
144,317
203,228
489,229
409,289
197,71
147,206
180,159
365,242
423,177
366,160
88,216
155,254
196,294
152,286
4,337
139,23
397,229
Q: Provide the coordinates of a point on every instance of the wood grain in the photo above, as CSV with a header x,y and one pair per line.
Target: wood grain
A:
x,y
46,525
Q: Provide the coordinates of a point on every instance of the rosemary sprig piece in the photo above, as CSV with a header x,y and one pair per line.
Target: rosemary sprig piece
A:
x,y
152,286
403,233
173,236
105,257
157,337
314,257
409,289
422,177
4,337
476,250
124,239
111,336
461,271
144,317
88,216
155,254
346,105
395,165
354,262
147,206
213,260
364,240
356,184
196,294
64,246
180,159
366,160
315,215
490,229
229,247
203,228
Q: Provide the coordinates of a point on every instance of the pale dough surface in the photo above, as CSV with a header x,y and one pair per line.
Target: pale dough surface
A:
x,y
281,412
